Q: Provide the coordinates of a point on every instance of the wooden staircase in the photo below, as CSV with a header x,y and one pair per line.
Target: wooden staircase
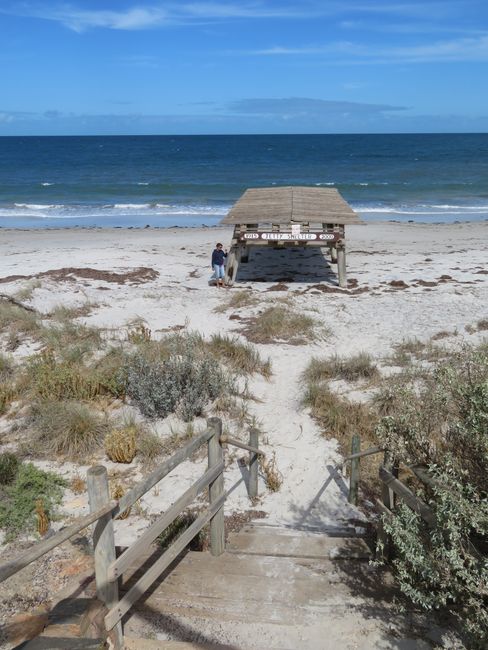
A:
x,y
273,588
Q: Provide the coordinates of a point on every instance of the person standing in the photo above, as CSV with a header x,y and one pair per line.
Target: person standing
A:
x,y
218,257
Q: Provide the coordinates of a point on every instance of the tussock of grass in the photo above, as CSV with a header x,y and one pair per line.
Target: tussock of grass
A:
x,y
26,292
71,340
482,325
110,371
242,358
237,300
67,429
280,324
411,350
62,313
339,417
18,324
6,367
359,366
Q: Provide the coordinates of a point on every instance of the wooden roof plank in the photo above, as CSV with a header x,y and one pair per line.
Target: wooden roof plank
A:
x,y
291,204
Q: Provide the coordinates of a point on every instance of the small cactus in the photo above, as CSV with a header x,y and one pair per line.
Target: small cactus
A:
x,y
42,518
120,445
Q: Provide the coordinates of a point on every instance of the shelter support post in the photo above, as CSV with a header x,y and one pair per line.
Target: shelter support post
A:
x,y
341,263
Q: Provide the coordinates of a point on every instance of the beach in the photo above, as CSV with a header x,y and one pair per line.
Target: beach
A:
x,y
405,282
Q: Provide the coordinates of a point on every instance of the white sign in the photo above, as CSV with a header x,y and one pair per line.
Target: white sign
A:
x,y
295,229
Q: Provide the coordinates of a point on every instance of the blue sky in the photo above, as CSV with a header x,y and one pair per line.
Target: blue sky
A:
x,y
269,66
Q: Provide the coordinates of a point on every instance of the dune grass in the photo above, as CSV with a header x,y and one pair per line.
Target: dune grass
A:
x,y
237,300
280,324
359,366
242,358
68,429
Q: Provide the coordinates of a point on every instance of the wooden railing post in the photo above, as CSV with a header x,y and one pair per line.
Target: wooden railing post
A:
x,y
216,488
354,478
103,542
388,499
253,464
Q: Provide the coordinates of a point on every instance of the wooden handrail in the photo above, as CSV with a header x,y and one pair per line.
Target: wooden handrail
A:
x,y
163,470
41,548
134,552
361,454
236,443
162,563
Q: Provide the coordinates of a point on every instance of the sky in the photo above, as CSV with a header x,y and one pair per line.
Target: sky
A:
x,y
92,67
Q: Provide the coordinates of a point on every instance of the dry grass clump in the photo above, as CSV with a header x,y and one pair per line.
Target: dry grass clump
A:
x,y
77,484
359,366
272,476
68,429
279,324
139,333
6,367
237,300
46,378
242,358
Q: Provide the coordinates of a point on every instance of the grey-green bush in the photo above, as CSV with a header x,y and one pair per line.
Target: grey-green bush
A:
x,y
183,383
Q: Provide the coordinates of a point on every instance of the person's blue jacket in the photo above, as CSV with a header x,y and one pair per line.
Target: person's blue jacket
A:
x,y
218,257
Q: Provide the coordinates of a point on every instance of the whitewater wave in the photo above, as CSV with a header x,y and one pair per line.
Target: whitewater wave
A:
x,y
46,184
102,212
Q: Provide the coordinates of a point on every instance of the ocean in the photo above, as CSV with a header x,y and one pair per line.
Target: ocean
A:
x,y
163,181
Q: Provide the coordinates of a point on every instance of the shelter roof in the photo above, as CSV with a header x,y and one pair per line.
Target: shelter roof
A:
x,y
291,205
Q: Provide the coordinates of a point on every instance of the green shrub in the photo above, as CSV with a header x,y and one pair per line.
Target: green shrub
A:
x,y
9,464
441,422
67,429
17,506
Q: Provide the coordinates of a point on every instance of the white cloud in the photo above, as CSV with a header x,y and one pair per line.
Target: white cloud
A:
x,y
150,16
461,49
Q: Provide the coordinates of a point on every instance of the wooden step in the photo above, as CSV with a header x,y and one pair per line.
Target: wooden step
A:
x,y
311,545
63,643
153,644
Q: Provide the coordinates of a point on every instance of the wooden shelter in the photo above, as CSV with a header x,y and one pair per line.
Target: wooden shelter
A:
x,y
282,217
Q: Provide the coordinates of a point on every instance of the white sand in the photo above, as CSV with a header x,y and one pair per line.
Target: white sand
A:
x,y
312,493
